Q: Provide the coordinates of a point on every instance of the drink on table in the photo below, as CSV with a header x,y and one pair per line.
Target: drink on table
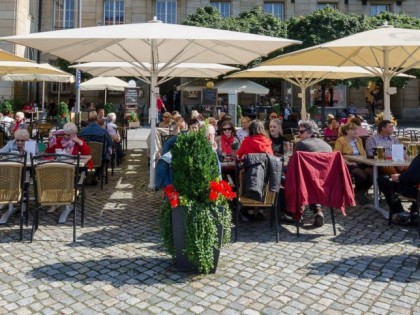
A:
x,y
380,153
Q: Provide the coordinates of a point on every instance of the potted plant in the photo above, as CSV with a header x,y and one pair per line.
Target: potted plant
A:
x,y
63,114
6,106
133,120
195,217
109,108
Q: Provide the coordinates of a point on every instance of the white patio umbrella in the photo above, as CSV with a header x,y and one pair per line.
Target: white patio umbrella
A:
x,y
58,76
385,51
238,85
105,84
305,76
154,43
7,56
182,70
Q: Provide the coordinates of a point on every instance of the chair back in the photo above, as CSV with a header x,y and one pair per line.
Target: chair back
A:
x,y
55,178
97,148
12,177
43,128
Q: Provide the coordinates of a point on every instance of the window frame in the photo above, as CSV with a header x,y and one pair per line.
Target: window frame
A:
x,y
376,5
168,17
218,6
272,10
67,14
115,10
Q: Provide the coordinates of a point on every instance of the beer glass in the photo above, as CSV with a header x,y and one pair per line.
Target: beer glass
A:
x,y
412,150
380,153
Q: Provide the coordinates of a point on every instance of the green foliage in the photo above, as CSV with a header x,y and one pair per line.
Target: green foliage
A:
x,y
194,166
64,65
109,108
276,108
6,106
63,114
165,222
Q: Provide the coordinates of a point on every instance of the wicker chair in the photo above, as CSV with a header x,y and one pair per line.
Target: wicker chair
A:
x,y
98,152
42,129
57,181
14,184
270,198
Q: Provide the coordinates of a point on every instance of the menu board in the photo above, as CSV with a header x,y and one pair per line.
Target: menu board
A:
x,y
131,96
209,96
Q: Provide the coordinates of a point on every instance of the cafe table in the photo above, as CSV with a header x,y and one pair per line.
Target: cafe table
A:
x,y
84,159
375,163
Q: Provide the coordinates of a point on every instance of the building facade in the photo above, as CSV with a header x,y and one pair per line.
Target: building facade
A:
x,y
25,16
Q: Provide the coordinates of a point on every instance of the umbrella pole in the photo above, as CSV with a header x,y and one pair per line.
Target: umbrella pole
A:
x,y
303,110
105,98
153,117
386,79
43,96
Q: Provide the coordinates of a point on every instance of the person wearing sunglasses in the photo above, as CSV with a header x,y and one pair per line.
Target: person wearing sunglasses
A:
x,y
226,140
166,122
17,145
68,141
309,142
272,116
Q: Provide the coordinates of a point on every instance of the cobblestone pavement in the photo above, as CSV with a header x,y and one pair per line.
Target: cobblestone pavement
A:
x,y
118,265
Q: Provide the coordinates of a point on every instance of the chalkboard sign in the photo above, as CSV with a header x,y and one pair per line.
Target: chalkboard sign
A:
x,y
131,96
209,96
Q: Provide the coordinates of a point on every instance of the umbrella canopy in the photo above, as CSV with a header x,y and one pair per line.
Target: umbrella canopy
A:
x,y
51,74
182,70
6,56
387,51
155,43
238,85
25,67
104,83
305,76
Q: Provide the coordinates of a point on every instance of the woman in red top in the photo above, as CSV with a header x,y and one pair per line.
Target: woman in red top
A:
x,y
257,141
70,143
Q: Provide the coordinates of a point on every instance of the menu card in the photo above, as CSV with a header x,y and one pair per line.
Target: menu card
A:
x,y
398,152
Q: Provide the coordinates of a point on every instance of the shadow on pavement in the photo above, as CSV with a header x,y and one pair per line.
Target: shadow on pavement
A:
x,y
114,271
403,268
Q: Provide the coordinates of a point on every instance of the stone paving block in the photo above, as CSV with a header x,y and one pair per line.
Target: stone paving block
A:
x,y
118,265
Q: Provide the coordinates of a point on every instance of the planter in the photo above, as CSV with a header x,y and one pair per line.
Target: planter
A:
x,y
135,124
178,230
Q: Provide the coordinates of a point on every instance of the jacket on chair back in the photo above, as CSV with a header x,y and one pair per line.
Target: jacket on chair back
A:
x,y
260,167
317,177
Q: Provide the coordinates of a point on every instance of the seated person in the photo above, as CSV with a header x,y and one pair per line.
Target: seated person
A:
x,y
350,144
226,140
360,131
20,122
257,141
17,145
276,136
308,131
70,143
243,132
406,185
331,132
166,122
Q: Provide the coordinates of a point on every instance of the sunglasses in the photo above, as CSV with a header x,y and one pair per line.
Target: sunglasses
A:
x,y
66,135
224,129
20,140
166,116
302,131
273,116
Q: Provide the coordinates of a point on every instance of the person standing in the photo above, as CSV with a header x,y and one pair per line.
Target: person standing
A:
x,y
160,107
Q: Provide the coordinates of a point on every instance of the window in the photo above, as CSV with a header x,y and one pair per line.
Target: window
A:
x,y
223,7
274,8
63,14
321,6
113,12
166,11
378,8
61,88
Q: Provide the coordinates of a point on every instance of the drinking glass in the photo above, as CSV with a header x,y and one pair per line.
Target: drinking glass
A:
x,y
380,153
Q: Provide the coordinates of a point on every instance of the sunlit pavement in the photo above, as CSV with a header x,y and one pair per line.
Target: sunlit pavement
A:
x,y
118,265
